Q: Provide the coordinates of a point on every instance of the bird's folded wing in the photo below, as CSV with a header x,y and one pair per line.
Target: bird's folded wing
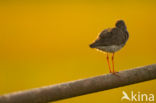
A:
x,y
109,37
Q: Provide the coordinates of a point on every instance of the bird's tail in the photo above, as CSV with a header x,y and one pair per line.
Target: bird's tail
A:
x,y
92,45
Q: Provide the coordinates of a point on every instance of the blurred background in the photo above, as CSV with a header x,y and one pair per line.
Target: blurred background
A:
x,y
47,42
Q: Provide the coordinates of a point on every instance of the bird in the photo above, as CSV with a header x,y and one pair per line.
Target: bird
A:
x,y
111,40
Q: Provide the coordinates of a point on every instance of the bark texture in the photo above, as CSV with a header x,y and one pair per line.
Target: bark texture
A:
x,y
82,86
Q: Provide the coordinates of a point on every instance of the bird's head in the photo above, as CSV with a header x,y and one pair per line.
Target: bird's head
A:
x,y
121,24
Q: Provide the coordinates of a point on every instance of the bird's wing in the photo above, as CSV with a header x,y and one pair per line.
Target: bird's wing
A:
x,y
109,37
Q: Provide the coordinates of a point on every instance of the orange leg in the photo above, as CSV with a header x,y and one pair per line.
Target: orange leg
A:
x,y
108,63
113,63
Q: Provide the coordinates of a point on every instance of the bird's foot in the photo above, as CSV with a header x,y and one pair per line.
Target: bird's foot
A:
x,y
115,73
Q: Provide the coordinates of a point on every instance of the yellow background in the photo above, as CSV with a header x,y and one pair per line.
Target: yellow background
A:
x,y
47,42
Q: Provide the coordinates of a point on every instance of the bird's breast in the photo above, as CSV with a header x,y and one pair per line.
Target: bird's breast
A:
x,y
111,49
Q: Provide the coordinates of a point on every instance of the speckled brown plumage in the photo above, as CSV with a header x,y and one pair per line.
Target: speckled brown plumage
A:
x,y
112,39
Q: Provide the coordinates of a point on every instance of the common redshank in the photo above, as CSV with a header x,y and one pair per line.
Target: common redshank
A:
x,y
111,40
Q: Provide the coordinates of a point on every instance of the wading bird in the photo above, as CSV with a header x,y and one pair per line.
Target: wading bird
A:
x,y
111,40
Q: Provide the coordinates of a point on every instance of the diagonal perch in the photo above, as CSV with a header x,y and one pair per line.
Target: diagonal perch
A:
x,y
82,86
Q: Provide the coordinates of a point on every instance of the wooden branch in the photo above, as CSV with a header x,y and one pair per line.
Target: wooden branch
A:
x,y
81,87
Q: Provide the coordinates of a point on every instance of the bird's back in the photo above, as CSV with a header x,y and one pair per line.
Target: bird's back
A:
x,y
112,38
